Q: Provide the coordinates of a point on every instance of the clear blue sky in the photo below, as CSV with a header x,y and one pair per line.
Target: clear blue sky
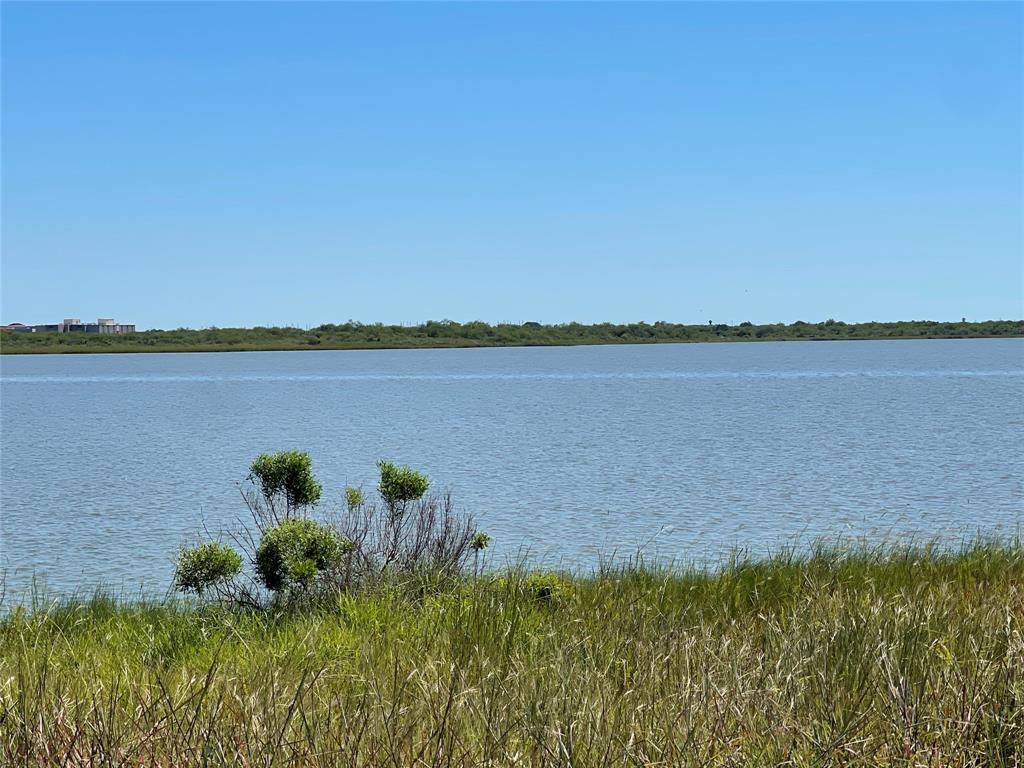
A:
x,y
278,163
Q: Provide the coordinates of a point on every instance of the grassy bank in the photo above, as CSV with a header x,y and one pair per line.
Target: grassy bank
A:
x,y
450,334
895,657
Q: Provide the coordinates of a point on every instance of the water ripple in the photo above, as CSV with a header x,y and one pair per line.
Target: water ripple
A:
x,y
575,376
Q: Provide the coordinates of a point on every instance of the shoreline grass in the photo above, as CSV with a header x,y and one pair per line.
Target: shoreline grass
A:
x,y
893,656
451,335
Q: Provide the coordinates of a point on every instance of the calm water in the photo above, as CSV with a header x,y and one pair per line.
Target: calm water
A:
x,y
109,462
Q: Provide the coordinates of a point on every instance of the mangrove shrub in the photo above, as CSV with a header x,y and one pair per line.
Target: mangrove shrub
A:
x,y
400,485
206,567
294,552
287,475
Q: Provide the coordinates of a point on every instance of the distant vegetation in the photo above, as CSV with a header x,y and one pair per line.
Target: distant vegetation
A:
x,y
447,333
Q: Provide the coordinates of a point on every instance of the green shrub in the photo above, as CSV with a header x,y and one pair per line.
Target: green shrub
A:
x,y
480,541
354,498
293,553
399,485
543,588
208,565
287,473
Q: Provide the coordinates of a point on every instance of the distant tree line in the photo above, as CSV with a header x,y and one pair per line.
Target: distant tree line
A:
x,y
448,333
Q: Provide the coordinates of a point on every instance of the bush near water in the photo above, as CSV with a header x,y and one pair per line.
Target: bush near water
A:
x,y
296,558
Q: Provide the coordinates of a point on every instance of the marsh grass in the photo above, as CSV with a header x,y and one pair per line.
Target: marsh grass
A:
x,y
892,656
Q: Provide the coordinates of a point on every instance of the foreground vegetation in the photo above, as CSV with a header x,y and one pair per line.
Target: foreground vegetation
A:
x,y
888,657
446,333
372,636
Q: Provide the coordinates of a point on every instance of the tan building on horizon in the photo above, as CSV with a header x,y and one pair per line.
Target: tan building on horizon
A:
x,y
75,325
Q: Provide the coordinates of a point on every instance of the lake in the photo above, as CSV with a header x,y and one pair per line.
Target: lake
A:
x,y
111,462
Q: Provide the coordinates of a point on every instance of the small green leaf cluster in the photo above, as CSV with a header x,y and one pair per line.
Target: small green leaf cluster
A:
x,y
203,567
399,485
543,588
289,473
354,498
294,552
480,541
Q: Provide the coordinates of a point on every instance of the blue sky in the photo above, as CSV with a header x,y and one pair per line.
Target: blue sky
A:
x,y
279,163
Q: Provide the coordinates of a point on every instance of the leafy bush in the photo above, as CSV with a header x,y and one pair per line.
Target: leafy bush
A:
x,y
354,498
399,485
205,567
294,552
288,474
544,588
411,534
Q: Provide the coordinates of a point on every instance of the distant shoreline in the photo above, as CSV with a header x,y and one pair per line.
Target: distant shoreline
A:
x,y
182,349
450,335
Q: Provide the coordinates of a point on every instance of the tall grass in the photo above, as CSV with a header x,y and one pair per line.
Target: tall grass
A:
x,y
886,657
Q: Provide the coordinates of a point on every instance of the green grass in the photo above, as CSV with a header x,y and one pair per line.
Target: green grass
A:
x,y
477,334
887,657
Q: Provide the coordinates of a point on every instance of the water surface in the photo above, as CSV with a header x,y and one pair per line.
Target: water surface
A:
x,y
110,462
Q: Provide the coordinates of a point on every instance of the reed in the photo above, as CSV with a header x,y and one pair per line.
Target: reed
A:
x,y
867,656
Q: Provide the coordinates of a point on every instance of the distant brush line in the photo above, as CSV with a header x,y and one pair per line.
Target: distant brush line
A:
x,y
450,334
